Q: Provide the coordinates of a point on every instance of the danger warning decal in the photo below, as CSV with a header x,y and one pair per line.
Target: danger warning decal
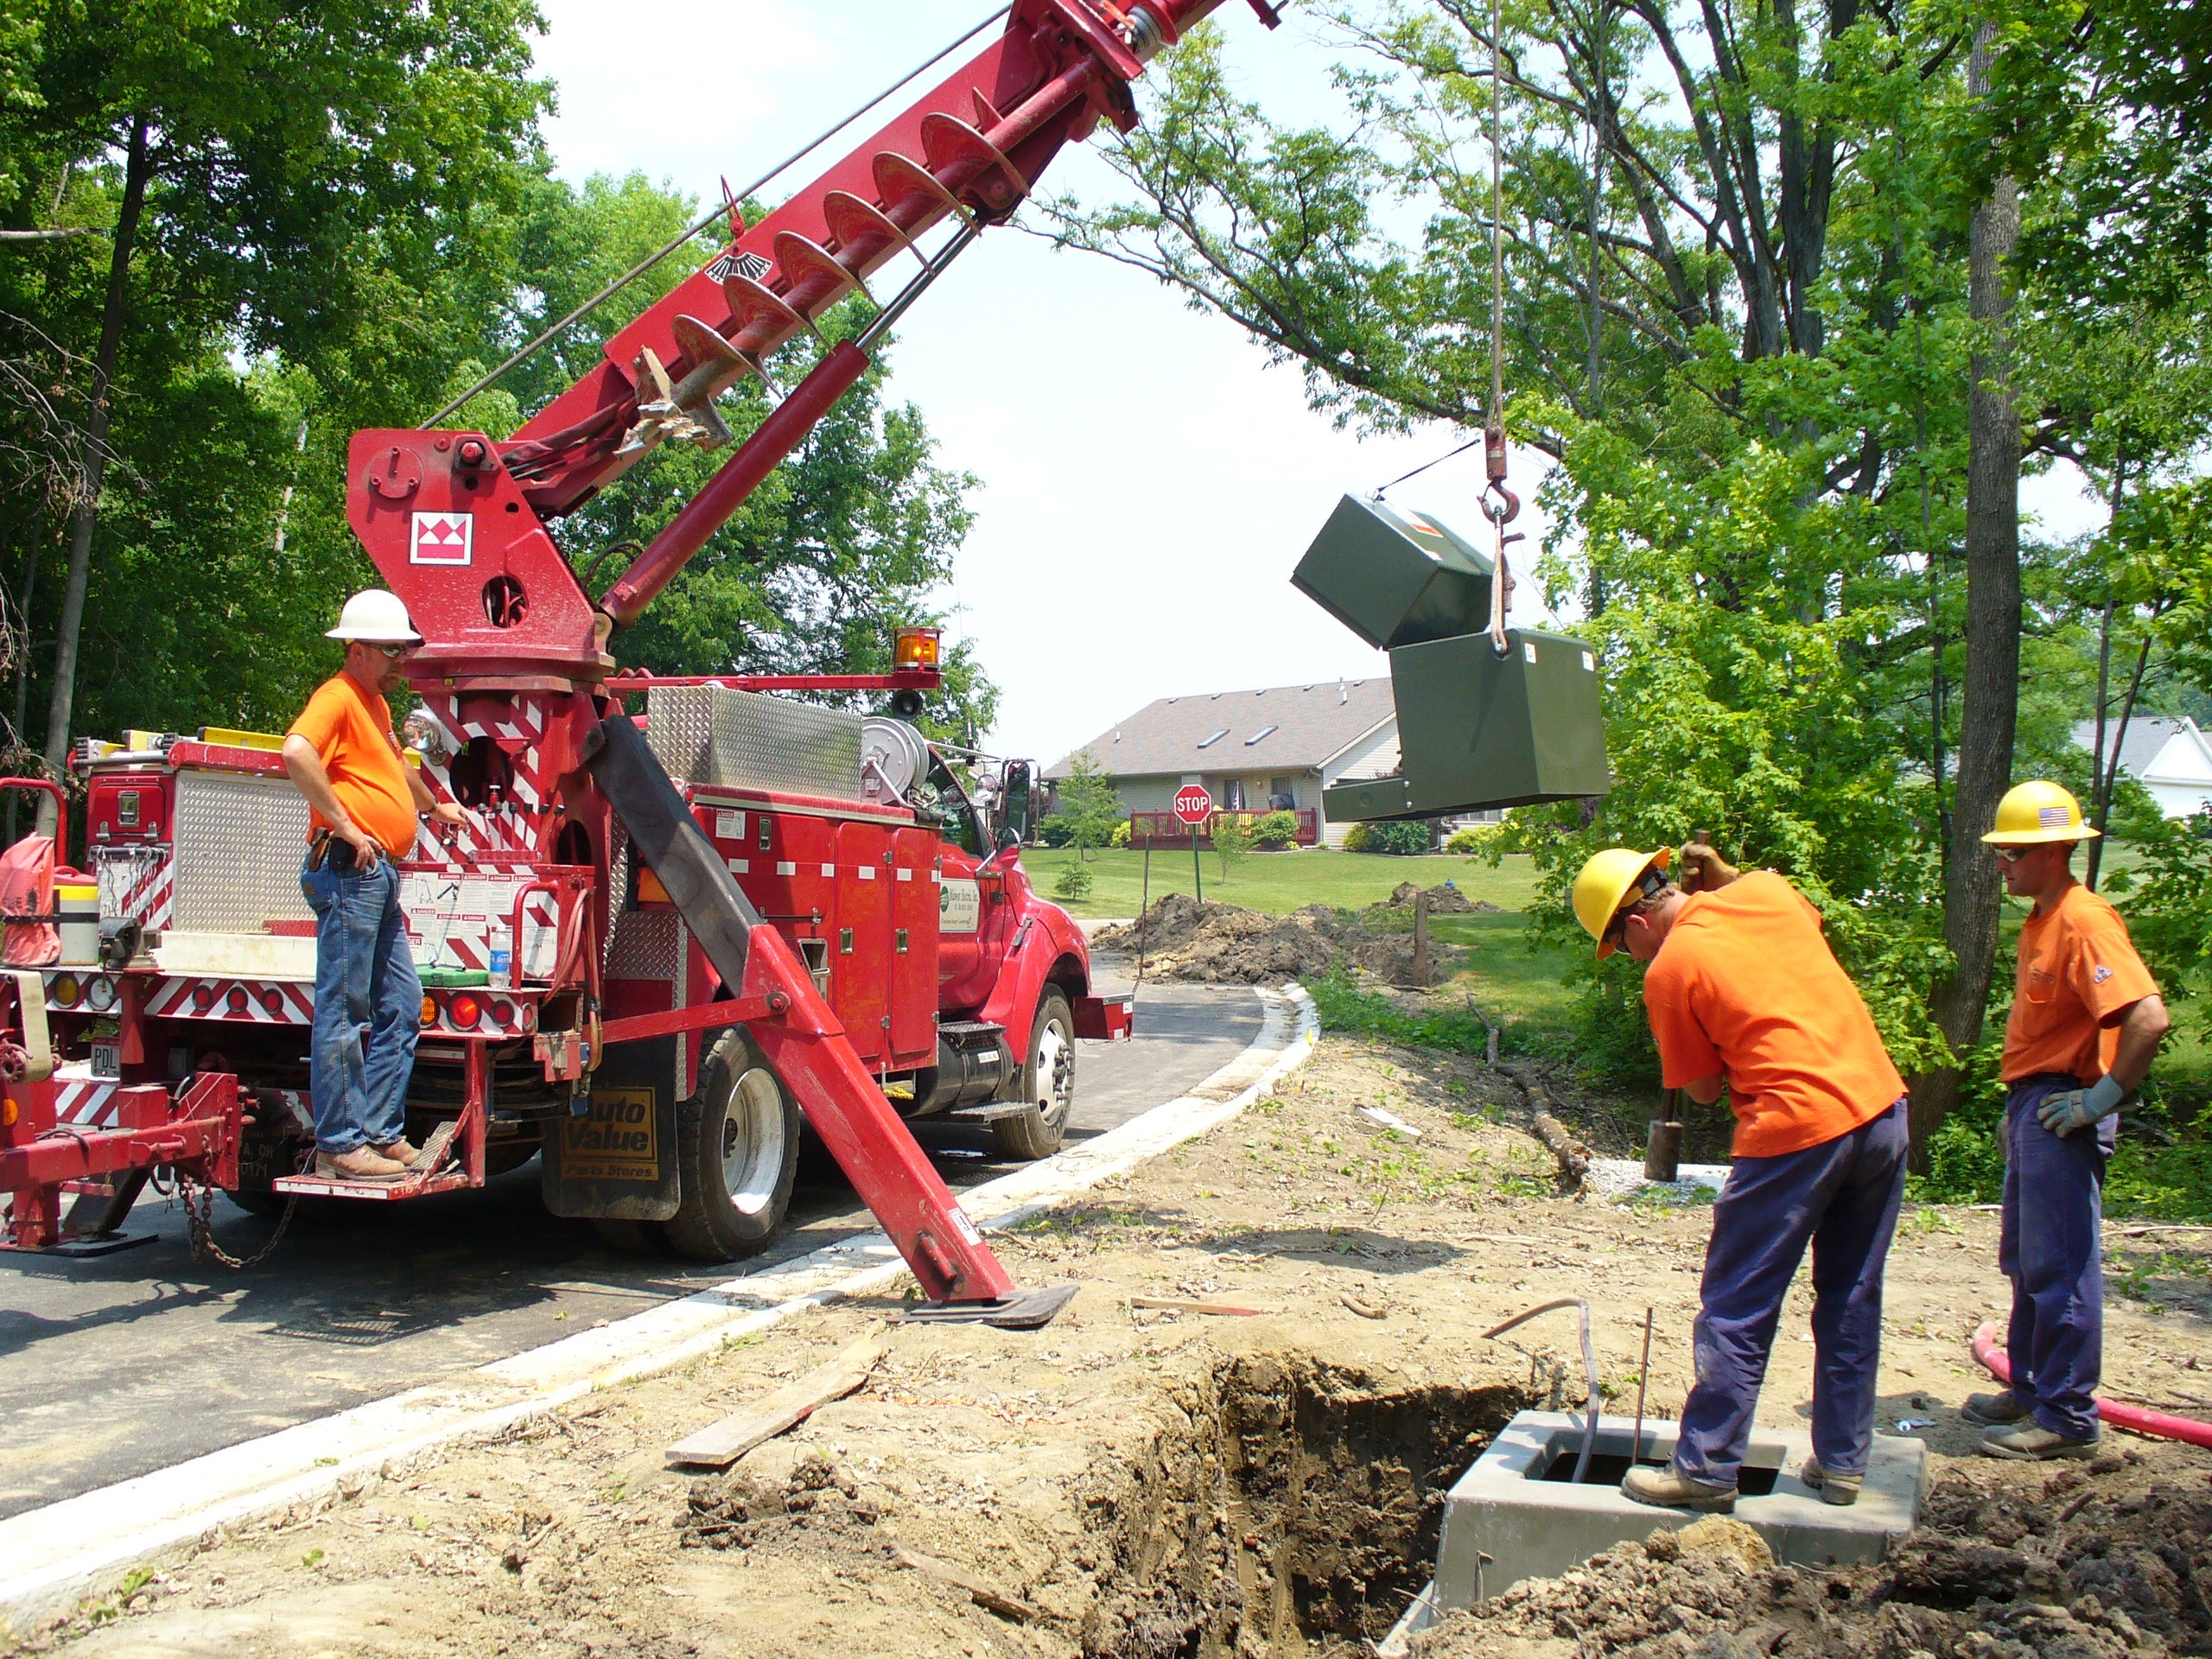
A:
x,y
442,539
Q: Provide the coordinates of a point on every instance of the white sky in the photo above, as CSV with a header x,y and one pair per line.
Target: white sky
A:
x,y
1148,480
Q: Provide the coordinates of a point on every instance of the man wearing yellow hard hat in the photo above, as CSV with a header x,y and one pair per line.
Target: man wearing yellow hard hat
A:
x,y
1742,989
2086,1021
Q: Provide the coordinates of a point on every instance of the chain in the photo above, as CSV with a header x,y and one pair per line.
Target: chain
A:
x,y
200,1223
1497,216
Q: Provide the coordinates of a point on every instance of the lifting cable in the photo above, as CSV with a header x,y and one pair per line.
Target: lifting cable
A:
x,y
1499,503
715,217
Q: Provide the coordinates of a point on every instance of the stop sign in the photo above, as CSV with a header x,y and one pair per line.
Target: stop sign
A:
x,y
1192,805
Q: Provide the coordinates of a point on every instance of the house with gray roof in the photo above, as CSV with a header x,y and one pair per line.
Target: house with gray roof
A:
x,y
2167,753
1281,744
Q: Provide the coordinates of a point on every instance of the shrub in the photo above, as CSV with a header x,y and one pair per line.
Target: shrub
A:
x,y
1477,840
1121,837
1402,840
1076,881
1276,829
1055,831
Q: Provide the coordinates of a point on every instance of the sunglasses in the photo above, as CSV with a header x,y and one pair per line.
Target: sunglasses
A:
x,y
1650,885
2013,855
392,653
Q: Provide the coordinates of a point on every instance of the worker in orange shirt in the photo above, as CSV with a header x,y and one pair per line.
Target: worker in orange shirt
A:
x,y
1743,990
363,801
2087,1018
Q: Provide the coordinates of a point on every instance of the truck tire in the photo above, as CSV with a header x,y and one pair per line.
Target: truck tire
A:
x,y
1046,1082
737,1152
257,1201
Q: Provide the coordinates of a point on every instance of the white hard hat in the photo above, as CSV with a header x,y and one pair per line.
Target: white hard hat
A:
x,y
376,615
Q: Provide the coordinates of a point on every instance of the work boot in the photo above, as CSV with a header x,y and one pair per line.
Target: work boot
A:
x,y
1990,1410
1668,1489
2030,1442
1833,1489
358,1165
400,1152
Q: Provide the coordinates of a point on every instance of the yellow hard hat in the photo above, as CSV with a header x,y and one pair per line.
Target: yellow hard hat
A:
x,y
1604,883
2033,813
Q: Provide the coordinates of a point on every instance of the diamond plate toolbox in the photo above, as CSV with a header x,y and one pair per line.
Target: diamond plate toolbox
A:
x,y
240,843
745,739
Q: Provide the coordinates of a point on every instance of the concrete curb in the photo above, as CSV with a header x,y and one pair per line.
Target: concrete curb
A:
x,y
58,1555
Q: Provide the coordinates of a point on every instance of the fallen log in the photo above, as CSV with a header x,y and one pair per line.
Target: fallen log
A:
x,y
1563,1144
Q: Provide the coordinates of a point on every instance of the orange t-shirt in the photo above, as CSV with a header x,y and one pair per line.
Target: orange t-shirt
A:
x,y
2079,974
1744,985
351,730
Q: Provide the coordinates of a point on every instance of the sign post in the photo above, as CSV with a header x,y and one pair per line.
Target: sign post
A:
x,y
1194,806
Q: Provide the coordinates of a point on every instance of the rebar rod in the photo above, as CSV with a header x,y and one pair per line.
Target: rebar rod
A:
x,y
1589,1368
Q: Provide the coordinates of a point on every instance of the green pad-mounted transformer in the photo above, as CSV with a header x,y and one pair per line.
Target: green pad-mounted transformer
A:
x,y
1476,729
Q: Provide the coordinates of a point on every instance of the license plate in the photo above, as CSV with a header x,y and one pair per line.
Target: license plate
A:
x,y
107,1059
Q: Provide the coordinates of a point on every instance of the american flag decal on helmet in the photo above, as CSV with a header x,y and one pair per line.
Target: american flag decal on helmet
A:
x,y
2053,818
730,261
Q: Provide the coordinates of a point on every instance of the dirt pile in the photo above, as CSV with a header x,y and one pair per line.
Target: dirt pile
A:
x,y
1203,940
1444,899
2092,1565
742,1509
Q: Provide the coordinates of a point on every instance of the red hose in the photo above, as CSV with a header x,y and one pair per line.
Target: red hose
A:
x,y
1992,1358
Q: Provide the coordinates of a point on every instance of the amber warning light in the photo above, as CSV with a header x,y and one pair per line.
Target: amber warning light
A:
x,y
917,648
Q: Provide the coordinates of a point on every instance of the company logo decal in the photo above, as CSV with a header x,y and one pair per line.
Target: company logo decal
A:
x,y
615,1140
959,907
442,539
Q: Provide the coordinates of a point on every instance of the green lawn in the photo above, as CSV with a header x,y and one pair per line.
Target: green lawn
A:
x,y
1507,981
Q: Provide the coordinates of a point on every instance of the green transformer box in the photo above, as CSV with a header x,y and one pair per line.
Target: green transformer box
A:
x,y
1476,728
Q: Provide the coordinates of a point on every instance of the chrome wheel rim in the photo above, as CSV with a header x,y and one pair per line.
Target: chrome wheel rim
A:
x,y
1055,1071
753,1141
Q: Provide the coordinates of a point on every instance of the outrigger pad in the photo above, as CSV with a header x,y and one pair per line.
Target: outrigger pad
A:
x,y
78,1247
1025,1310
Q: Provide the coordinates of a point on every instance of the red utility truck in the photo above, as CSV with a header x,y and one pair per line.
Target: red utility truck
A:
x,y
698,907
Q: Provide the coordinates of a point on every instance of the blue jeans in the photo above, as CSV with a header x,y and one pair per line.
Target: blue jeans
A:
x,y
1842,1197
2048,1245
365,987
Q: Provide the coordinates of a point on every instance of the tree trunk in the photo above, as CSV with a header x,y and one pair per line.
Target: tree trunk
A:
x,y
2100,801
1972,890
86,519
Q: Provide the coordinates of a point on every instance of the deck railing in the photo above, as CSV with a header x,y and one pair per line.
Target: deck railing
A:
x,y
1165,829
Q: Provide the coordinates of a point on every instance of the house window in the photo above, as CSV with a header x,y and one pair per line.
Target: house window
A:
x,y
1233,788
1208,742
1257,735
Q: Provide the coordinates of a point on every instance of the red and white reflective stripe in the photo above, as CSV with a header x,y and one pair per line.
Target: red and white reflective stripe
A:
x,y
87,1105
295,1002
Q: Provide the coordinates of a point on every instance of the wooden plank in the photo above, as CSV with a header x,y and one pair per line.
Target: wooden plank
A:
x,y
720,1444
980,1589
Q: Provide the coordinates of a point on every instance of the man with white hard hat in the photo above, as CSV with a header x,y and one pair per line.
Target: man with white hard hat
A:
x,y
2086,1021
1742,990
364,801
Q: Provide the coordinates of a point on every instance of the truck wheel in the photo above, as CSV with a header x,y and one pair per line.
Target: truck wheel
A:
x,y
1046,1083
737,1146
257,1201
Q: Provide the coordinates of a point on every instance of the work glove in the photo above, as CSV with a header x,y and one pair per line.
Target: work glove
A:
x,y
2069,1109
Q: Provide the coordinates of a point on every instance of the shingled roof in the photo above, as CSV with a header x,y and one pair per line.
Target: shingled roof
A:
x,y
1277,728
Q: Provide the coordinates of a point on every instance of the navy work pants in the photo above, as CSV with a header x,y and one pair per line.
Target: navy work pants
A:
x,y
2049,1246
1841,1197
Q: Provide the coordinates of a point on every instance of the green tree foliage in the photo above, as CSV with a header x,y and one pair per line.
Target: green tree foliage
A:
x,y
1233,838
1087,805
346,218
1736,286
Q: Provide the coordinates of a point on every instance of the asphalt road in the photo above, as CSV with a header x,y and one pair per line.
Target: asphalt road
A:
x,y
113,1366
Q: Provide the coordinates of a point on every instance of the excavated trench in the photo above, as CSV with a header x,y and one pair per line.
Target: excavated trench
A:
x,y
1290,1502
